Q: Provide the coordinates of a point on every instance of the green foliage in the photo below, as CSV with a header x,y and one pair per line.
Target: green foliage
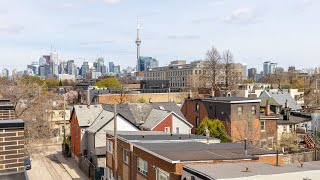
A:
x,y
31,79
52,83
248,81
141,100
215,127
60,83
108,83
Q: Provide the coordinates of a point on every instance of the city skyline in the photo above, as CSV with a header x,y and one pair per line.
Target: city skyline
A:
x,y
255,32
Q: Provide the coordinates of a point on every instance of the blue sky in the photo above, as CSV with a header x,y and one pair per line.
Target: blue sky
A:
x,y
283,31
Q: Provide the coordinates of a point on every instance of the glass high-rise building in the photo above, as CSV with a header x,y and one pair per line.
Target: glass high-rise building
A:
x,y
111,67
146,63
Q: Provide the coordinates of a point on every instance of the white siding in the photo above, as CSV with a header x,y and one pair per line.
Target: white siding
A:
x,y
184,128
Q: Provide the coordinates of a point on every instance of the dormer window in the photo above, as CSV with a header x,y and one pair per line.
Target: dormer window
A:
x,y
197,107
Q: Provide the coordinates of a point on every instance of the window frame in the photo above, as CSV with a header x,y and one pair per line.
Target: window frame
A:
x,y
162,172
197,107
263,125
125,155
109,174
197,121
166,128
145,164
177,130
110,143
253,111
240,112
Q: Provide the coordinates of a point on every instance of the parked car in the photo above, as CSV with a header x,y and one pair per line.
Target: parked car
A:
x,y
27,162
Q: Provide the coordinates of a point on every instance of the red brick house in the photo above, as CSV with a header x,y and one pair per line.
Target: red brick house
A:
x,y
239,115
144,155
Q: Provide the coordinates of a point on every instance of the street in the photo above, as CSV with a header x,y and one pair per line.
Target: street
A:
x,y
45,165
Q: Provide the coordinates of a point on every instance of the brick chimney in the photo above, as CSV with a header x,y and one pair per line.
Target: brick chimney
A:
x,y
267,110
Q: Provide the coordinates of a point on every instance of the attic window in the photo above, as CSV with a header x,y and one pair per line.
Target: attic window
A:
x,y
80,106
161,107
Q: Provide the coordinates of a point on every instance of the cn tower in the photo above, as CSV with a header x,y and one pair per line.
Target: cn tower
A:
x,y
138,42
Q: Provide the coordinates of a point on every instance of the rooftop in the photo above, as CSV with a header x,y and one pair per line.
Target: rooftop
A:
x,y
14,123
201,151
255,170
229,99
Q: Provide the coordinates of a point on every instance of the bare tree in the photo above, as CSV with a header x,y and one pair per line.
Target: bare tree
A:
x,y
32,103
212,67
228,67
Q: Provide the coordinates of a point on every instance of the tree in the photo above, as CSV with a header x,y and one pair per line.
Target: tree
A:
x,y
32,103
228,67
212,67
215,127
108,83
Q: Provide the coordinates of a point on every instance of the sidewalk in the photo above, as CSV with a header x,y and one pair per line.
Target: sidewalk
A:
x,y
71,166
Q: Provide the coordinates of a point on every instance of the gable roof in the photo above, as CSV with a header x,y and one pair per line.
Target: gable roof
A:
x,y
281,97
272,102
146,115
86,115
103,118
154,118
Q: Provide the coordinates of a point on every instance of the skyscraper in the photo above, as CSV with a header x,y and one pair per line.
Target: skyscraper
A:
x,y
145,63
71,68
84,69
245,71
266,68
111,67
5,73
138,42
252,73
42,61
272,68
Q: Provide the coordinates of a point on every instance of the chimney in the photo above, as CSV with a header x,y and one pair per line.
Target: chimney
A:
x,y
189,94
286,112
267,110
88,97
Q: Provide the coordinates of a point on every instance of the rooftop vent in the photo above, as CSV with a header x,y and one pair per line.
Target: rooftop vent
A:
x,y
161,107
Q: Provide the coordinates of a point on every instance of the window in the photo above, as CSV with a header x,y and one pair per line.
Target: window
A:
x,y
177,130
167,129
240,109
253,110
161,174
143,166
263,125
197,107
197,121
77,131
125,156
109,146
284,128
109,174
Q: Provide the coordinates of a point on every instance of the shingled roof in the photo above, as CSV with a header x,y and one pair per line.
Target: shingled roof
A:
x,y
87,114
280,98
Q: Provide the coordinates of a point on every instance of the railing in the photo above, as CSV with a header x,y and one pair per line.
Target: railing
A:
x,y
310,142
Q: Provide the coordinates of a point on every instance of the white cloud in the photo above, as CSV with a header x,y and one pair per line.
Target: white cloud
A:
x,y
68,5
10,29
111,1
241,16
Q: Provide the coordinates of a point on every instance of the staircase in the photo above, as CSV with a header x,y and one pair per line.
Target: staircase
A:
x,y
310,142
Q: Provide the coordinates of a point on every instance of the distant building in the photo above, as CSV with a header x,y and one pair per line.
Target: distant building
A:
x,y
71,67
252,73
42,61
145,63
5,73
269,68
111,67
245,71
291,69
117,69
69,77
279,70
85,69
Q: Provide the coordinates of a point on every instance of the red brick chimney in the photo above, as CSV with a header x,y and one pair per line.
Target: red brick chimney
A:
x,y
267,111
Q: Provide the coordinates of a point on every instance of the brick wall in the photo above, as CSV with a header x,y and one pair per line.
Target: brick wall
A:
x,y
11,150
75,136
6,114
133,98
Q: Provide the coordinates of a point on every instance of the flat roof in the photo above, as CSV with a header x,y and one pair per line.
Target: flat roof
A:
x,y
229,99
201,151
14,123
222,171
160,137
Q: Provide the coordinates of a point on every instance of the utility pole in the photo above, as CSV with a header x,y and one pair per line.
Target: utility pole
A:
x,y
315,144
64,124
115,143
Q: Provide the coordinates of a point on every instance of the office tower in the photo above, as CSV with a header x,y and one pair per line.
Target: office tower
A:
x,y
245,71
266,68
63,67
272,68
103,69
5,73
42,61
47,58
117,69
111,67
252,73
145,63
84,69
291,69
71,68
